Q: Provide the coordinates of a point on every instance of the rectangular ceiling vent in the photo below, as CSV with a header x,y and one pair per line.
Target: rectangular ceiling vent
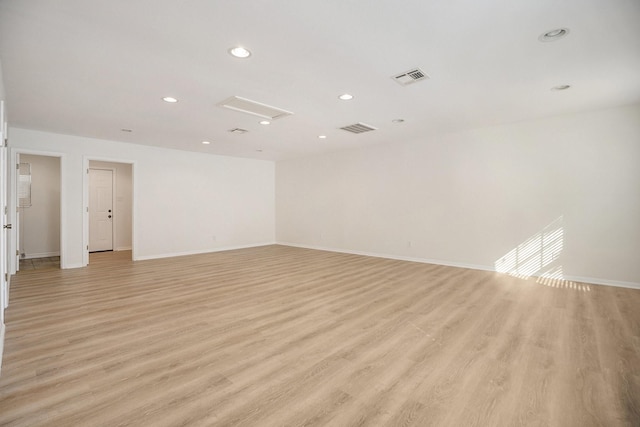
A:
x,y
411,76
238,130
358,128
259,109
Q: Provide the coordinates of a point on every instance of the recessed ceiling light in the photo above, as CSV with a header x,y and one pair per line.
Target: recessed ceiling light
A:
x,y
322,136
560,87
126,130
206,142
553,35
346,96
240,52
170,99
265,122
397,120
259,151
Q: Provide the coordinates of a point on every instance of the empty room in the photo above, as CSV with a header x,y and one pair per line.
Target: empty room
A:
x,y
320,213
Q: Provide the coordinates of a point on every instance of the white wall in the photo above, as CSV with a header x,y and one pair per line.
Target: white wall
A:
x,y
181,199
122,211
470,198
40,223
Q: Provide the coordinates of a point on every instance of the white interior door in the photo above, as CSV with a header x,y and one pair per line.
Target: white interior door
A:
x,y
100,210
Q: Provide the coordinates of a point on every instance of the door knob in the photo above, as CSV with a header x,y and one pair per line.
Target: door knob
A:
x,y
8,226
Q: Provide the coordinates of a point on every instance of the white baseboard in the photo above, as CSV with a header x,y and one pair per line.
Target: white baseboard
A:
x,y
40,255
589,280
202,251
396,257
2,328
70,266
596,281
123,248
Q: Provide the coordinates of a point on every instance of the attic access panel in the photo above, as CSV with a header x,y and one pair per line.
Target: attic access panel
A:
x,y
259,109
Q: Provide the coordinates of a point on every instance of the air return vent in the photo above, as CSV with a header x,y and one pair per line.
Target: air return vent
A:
x,y
411,76
358,128
238,130
255,108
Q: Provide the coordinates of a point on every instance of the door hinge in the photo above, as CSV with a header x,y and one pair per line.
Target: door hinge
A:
x,y
6,277
87,208
17,252
18,166
87,170
6,209
87,247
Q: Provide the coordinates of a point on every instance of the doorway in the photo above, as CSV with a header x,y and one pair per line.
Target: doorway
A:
x,y
109,206
38,213
101,209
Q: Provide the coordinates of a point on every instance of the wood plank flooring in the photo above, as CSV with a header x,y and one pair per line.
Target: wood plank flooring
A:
x,y
281,336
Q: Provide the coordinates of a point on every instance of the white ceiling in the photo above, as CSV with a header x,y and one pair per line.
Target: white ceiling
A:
x,y
92,68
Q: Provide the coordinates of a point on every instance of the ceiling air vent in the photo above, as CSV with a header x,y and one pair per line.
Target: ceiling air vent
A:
x,y
411,76
248,106
238,130
358,128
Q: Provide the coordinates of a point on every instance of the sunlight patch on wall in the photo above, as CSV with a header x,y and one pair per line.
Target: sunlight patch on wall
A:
x,y
537,256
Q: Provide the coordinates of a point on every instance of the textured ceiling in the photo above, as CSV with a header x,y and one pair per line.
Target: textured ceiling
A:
x,y
93,68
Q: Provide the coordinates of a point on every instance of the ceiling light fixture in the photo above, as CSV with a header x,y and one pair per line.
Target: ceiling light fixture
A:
x,y
553,35
170,99
206,142
322,136
265,122
560,87
127,130
240,52
346,96
397,121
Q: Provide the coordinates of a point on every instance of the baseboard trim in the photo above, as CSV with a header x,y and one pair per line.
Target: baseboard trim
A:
x,y
123,248
603,282
396,257
41,255
202,251
2,328
71,266
589,280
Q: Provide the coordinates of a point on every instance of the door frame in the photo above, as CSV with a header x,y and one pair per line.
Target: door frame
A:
x,y
114,209
13,203
85,203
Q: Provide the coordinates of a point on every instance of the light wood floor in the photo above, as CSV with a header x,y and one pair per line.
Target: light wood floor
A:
x,y
279,336
40,263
